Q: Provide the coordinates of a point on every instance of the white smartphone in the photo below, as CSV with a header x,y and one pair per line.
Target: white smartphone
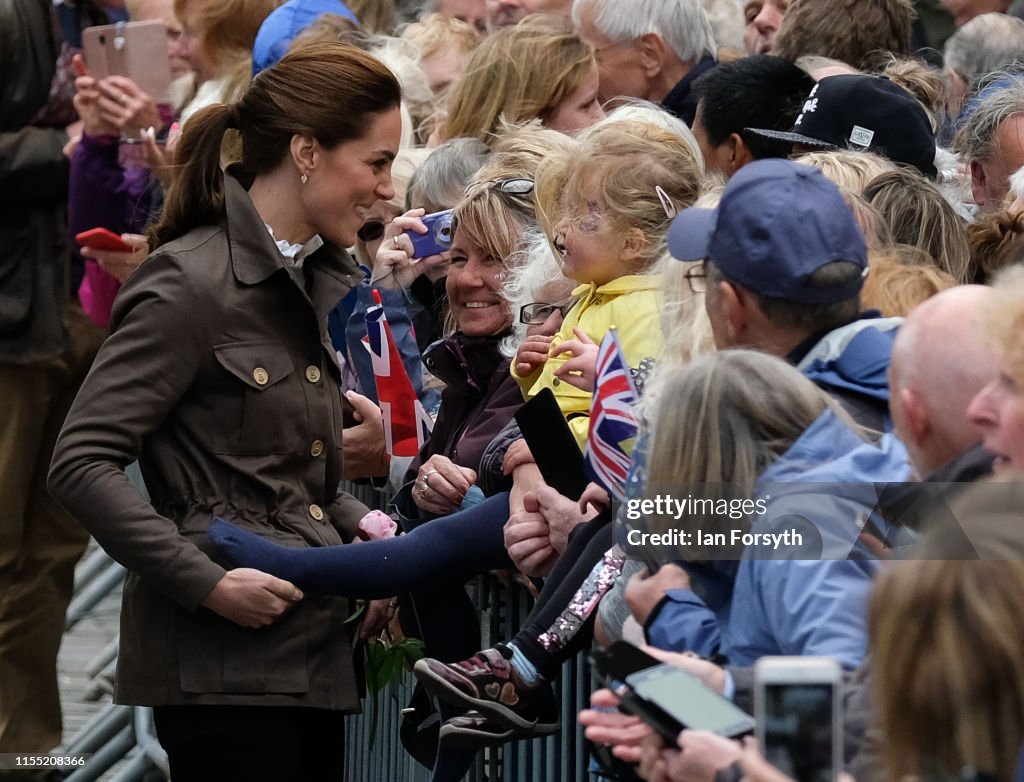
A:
x,y
798,708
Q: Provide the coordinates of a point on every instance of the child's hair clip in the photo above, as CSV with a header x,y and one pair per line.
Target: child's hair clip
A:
x,y
666,202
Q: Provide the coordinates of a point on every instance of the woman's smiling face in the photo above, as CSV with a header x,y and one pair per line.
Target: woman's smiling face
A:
x,y
474,289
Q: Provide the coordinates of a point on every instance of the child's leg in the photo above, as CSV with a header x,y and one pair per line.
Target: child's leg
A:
x,y
506,683
451,548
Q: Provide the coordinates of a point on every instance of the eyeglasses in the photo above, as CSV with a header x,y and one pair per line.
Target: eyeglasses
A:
x,y
536,312
697,277
371,231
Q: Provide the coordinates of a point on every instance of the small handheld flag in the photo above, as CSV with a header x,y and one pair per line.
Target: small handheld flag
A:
x,y
406,424
613,422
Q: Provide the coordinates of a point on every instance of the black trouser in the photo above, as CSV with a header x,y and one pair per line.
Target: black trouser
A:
x,y
586,547
252,743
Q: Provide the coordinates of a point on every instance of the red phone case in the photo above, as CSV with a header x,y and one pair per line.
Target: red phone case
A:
x,y
102,239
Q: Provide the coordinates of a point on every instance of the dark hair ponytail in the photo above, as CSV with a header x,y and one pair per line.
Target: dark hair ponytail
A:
x,y
196,194
328,91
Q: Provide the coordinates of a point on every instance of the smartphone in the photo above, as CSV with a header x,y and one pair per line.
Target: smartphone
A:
x,y
798,705
553,446
102,239
137,50
674,699
437,239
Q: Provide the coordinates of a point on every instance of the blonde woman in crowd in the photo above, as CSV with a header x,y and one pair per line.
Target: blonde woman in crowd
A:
x,y
537,69
918,215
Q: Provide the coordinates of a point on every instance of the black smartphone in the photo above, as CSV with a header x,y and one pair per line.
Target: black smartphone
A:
x,y
672,699
553,447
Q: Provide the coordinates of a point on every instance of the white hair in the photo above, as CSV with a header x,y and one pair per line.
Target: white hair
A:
x,y
402,58
526,280
727,22
1017,183
635,110
987,43
682,24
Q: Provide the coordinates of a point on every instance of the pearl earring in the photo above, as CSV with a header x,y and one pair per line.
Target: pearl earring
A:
x,y
305,177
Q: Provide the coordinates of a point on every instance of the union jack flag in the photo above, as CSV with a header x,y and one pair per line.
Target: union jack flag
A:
x,y
406,424
613,424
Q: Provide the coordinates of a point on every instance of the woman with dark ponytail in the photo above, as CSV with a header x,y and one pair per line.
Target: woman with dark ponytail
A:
x,y
219,377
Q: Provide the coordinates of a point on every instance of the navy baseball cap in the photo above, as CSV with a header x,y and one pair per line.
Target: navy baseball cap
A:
x,y
777,223
864,113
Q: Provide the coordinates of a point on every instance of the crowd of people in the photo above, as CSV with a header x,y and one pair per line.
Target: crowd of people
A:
x,y
798,226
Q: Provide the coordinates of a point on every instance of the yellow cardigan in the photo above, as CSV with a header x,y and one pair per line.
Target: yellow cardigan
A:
x,y
632,304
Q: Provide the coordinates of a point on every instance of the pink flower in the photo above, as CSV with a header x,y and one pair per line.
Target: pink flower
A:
x,y
377,525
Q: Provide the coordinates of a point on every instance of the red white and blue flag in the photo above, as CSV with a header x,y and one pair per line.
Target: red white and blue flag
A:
x,y
613,423
406,424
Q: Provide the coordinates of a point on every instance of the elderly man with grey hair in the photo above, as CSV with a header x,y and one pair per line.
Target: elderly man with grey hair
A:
x,y
648,49
991,137
987,43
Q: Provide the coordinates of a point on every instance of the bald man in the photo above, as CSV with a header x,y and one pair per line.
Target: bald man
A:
x,y
940,360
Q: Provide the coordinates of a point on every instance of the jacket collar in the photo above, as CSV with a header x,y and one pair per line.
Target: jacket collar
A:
x,y
331,272
620,285
468,364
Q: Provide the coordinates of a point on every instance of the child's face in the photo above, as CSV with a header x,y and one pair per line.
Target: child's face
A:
x,y
591,250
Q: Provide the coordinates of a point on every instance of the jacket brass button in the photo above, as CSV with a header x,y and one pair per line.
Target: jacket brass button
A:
x,y
316,448
316,512
555,381
312,374
260,376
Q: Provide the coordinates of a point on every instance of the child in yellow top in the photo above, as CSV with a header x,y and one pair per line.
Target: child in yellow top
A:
x,y
618,195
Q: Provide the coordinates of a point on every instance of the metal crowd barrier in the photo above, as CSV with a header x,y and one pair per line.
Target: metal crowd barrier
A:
x,y
124,735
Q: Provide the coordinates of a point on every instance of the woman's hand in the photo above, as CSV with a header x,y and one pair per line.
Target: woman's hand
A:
x,y
364,446
124,105
624,733
119,265
562,515
252,598
441,485
87,102
702,755
528,539
394,267
711,676
581,369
